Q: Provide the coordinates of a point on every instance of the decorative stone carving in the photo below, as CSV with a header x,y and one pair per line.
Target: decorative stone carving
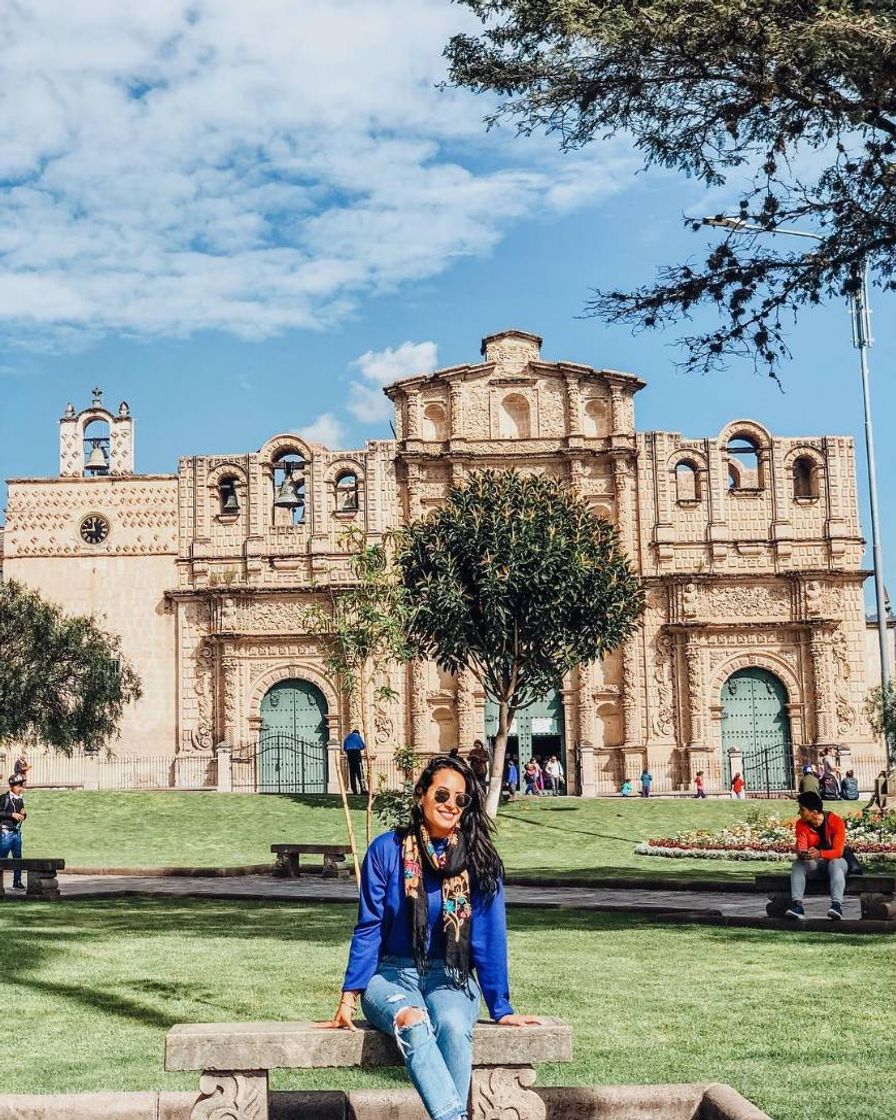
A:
x,y
847,716
745,601
662,722
695,691
232,1096
504,1094
825,702
629,694
689,597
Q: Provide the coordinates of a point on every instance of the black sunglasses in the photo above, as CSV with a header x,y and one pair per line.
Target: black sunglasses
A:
x,y
442,796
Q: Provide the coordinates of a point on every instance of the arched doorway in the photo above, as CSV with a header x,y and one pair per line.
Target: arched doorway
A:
x,y
292,747
537,731
755,722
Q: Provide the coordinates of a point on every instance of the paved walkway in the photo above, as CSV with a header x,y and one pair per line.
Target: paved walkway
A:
x,y
266,888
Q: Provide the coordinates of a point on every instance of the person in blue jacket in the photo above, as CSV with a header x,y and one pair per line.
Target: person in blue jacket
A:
x,y
431,937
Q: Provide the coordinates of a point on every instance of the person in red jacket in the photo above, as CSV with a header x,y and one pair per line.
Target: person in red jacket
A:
x,y
820,840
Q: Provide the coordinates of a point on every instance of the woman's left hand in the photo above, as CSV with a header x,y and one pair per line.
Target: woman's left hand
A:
x,y
518,1021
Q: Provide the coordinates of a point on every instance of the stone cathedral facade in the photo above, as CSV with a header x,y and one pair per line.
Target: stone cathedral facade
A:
x,y
752,651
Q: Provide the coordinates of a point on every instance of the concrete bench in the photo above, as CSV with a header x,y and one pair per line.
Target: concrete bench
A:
x,y
236,1059
41,879
287,865
876,894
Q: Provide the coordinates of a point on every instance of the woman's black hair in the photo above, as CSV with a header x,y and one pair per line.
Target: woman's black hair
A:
x,y
483,862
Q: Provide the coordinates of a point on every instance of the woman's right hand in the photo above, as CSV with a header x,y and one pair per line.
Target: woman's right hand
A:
x,y
343,1019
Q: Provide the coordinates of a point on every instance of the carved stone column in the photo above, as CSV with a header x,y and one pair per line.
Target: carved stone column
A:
x,y
419,706
822,676
573,406
467,724
504,1093
237,1095
413,407
622,479
456,419
230,698
696,722
415,507
630,706
585,726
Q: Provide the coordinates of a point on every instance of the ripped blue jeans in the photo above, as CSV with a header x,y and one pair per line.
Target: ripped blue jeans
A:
x,y
438,1051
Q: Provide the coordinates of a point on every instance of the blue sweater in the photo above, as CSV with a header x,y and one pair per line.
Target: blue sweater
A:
x,y
384,926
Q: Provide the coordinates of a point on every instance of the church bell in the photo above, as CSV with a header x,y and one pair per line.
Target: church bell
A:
x,y
231,505
288,496
96,460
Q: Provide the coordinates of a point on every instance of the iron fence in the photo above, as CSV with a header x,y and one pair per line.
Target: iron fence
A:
x,y
101,771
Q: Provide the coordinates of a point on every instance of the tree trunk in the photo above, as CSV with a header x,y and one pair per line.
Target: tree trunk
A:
x,y
497,772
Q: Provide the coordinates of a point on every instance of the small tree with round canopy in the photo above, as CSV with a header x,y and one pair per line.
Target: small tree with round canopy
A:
x,y
515,579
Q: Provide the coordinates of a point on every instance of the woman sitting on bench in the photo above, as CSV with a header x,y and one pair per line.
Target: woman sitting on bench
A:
x,y
431,940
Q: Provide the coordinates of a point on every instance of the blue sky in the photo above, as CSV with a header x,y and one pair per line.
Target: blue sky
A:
x,y
244,219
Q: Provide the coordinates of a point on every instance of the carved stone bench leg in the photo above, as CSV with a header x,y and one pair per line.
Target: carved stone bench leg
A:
x,y
331,866
878,907
42,884
776,907
287,865
237,1095
502,1093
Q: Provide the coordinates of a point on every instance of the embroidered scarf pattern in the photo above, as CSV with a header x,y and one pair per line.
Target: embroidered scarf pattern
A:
x,y
451,867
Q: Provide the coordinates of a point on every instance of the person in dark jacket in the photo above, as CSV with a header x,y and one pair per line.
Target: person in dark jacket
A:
x,y
353,745
809,782
849,787
431,939
12,813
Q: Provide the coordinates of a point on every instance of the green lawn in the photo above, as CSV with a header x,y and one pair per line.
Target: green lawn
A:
x,y
562,838
786,1019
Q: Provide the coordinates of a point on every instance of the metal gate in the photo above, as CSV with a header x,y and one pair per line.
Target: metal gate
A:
x,y
280,763
539,729
755,722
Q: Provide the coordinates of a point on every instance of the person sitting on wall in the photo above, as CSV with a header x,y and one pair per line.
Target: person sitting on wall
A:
x,y
820,854
849,787
809,782
353,745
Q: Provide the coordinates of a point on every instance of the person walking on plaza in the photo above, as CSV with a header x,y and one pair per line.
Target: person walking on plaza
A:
x,y
513,777
430,942
738,787
554,770
12,813
353,745
820,853
479,761
646,782
699,785
530,777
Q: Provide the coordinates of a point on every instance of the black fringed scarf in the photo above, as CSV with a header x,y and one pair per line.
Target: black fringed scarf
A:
x,y
451,867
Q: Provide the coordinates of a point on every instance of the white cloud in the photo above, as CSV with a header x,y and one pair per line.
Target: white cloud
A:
x,y
366,401
326,429
212,164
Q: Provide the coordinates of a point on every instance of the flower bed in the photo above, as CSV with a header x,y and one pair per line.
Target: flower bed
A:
x,y
771,837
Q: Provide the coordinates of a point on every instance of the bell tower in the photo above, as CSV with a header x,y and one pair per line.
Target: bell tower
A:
x,y
94,442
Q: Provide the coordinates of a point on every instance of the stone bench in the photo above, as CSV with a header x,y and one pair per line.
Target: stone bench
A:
x,y
876,894
41,879
287,865
236,1059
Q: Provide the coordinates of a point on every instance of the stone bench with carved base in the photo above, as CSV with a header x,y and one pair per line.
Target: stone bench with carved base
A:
x,y
876,894
41,879
236,1059
287,864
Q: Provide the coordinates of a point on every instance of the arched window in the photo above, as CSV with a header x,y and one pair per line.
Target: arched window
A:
x,y
687,481
805,478
228,500
347,492
290,490
515,417
744,464
434,421
96,447
594,420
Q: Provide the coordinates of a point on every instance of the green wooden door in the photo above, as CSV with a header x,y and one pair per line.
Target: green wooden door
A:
x,y
755,721
538,730
292,748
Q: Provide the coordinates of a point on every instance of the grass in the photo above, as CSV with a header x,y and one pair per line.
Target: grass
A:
x,y
93,987
554,838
